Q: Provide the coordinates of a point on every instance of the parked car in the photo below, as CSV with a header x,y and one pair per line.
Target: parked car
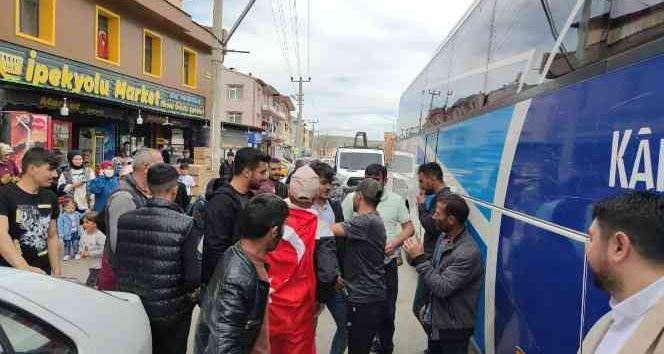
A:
x,y
42,314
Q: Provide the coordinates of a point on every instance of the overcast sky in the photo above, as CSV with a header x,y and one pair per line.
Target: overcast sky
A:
x,y
363,54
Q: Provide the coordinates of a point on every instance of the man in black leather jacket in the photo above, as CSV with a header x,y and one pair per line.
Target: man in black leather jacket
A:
x,y
234,303
154,259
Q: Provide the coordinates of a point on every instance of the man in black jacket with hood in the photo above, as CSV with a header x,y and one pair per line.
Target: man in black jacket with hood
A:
x,y
226,202
234,305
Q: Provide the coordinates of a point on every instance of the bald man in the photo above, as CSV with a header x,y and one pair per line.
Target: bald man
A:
x,y
132,194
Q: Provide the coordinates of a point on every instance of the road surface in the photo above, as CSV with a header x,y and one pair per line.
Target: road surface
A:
x,y
409,338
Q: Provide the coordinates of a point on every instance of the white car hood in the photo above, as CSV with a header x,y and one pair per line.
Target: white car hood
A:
x,y
117,321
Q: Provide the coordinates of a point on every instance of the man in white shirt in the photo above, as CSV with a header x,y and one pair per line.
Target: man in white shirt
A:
x,y
626,254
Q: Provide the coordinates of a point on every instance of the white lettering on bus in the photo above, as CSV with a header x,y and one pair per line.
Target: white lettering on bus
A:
x,y
642,167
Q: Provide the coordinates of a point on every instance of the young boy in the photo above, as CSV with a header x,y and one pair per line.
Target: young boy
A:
x,y
92,244
185,178
68,223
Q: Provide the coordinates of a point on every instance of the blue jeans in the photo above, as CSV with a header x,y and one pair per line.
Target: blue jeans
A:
x,y
72,245
337,306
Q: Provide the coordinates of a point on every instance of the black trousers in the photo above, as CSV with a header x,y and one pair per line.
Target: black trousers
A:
x,y
170,338
448,346
363,320
386,325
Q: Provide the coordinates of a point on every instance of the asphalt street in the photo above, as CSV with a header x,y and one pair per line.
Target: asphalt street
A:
x,y
409,337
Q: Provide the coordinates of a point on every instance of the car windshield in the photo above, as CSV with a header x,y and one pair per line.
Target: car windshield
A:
x,y
358,160
402,164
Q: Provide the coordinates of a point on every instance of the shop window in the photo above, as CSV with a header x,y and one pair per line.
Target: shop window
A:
x,y
152,53
189,67
35,20
107,36
234,92
234,117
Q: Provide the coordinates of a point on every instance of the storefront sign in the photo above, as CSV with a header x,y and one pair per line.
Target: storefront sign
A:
x,y
29,67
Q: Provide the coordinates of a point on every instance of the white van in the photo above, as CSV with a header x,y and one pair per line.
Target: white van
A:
x,y
351,162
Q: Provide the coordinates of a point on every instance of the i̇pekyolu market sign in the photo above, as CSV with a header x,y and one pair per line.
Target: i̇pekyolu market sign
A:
x,y
26,66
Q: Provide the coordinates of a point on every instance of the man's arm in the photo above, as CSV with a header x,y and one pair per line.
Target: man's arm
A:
x,y
228,318
453,277
219,229
54,249
119,204
8,250
338,230
407,231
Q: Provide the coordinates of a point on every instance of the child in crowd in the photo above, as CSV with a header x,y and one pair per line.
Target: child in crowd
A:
x,y
68,224
92,245
185,178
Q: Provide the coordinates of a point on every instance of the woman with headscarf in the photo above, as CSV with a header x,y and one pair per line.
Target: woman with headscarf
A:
x,y
74,179
8,169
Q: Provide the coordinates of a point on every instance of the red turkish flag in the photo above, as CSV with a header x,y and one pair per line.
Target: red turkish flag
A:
x,y
293,285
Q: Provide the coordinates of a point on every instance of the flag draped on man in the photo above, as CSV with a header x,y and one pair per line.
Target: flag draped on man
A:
x,y
292,277
293,284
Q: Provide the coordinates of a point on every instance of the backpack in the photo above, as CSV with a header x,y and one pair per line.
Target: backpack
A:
x,y
197,211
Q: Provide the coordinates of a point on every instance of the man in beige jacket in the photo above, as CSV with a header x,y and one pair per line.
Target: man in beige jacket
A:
x,y
626,255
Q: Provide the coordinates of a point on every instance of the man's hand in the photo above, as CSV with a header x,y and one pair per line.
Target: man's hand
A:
x,y
340,284
390,248
413,247
32,269
56,272
419,199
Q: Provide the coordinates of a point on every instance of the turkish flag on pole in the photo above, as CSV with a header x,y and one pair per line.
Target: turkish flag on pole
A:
x,y
293,286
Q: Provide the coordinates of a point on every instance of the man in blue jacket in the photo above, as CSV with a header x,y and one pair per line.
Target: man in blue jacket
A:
x,y
104,185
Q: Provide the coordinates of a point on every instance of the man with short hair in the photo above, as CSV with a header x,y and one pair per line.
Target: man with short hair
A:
x,y
132,194
28,213
235,303
329,255
227,168
432,188
398,228
151,262
225,203
452,277
364,266
626,254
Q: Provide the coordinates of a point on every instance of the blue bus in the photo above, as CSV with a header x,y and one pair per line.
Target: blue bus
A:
x,y
536,109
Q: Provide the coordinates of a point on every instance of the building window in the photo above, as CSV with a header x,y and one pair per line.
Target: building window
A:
x,y
234,117
107,36
234,92
189,67
152,53
35,20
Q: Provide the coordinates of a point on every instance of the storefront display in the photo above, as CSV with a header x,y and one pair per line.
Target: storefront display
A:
x,y
24,130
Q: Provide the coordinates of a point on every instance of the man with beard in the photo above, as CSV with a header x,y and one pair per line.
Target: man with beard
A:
x,y
626,254
28,214
226,202
234,305
452,278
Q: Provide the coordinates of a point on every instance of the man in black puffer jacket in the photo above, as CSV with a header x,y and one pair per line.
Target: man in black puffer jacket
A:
x,y
234,304
152,261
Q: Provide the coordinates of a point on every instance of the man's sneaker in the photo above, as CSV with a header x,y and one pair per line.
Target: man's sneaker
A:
x,y
65,258
77,257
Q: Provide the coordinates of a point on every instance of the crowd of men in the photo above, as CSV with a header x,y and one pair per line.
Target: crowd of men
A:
x,y
262,259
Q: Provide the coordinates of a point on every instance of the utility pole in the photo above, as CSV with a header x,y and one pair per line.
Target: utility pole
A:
x,y
298,124
217,70
433,94
217,64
